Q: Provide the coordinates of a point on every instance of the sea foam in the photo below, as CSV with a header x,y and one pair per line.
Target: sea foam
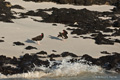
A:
x,y
64,69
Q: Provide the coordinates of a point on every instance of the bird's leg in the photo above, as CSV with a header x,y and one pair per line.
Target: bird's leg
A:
x,y
62,38
38,42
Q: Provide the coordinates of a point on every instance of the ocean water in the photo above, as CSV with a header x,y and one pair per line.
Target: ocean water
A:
x,y
86,76
65,71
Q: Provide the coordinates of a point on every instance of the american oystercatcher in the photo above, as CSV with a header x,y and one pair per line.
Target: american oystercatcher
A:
x,y
38,38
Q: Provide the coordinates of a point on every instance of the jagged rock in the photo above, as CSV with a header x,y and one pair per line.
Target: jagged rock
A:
x,y
14,61
79,2
108,30
1,40
18,43
27,62
42,52
54,51
109,61
54,55
117,40
65,54
116,10
99,39
39,12
9,70
105,52
88,58
54,24
79,31
17,7
86,21
69,16
116,33
30,47
115,53
117,23
5,11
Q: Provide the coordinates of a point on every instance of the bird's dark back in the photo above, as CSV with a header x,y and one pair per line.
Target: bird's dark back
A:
x,y
37,38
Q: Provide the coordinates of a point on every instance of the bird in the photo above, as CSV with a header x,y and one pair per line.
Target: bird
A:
x,y
63,34
38,38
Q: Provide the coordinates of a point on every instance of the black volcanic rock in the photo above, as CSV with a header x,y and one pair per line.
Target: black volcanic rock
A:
x,y
2,37
79,2
117,23
4,59
116,33
81,22
39,12
79,31
117,40
9,70
1,40
109,61
5,11
30,47
42,52
22,64
105,52
68,16
65,54
17,7
54,55
18,43
27,62
87,20
116,10
99,39
54,51
54,24
88,58
108,30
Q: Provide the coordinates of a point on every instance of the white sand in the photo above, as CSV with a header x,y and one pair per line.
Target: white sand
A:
x,y
23,29
42,5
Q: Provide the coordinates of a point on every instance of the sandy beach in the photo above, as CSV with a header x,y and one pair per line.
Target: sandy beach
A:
x,y
91,50
24,29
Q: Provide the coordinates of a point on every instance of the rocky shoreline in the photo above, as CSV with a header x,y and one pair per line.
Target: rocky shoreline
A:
x,y
87,22
79,22
79,2
5,11
26,63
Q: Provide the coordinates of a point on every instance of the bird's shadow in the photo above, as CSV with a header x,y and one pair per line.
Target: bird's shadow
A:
x,y
30,41
56,38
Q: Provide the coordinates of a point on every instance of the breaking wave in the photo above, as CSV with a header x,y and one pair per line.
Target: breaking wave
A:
x,y
63,68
